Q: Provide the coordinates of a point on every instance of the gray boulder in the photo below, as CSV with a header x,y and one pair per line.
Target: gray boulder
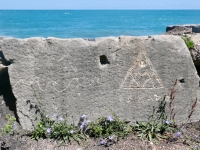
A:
x,y
183,29
125,75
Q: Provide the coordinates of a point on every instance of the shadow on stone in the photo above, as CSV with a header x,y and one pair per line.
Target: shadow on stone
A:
x,y
4,61
6,92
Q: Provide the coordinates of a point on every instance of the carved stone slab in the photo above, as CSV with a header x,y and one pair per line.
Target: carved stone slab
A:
x,y
125,75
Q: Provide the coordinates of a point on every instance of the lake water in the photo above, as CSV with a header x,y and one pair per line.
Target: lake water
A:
x,y
91,23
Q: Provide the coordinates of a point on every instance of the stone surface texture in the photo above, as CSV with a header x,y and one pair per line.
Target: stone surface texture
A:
x,y
125,75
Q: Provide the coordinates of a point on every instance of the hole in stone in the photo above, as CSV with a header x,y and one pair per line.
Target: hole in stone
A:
x,y
104,60
182,80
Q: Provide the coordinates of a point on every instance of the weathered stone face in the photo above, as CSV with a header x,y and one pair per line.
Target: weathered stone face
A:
x,y
125,75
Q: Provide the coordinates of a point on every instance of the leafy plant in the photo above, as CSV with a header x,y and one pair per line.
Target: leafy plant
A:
x,y
10,126
110,127
42,126
57,129
156,127
188,42
62,131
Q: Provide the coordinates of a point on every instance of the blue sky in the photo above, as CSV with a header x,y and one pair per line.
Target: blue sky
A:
x,y
99,4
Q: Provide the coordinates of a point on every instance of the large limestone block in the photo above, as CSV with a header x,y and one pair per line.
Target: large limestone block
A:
x,y
125,75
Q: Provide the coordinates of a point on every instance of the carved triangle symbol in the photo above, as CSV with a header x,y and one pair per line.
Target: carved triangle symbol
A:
x,y
141,75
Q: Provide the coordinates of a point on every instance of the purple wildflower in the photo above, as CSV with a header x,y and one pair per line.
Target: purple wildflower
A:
x,y
83,116
14,126
111,137
82,125
54,116
177,134
61,119
71,131
195,137
48,130
167,122
196,146
103,142
110,118
88,121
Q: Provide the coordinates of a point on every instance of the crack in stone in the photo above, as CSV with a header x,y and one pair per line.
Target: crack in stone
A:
x,y
27,117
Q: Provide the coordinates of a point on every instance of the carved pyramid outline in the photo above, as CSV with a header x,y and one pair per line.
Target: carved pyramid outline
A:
x,y
141,75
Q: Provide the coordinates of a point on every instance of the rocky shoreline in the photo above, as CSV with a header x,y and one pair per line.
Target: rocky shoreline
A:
x,y
183,29
193,32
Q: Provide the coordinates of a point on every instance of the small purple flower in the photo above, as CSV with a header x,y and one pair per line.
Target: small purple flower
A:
x,y
167,122
82,125
110,118
61,119
48,130
103,142
83,116
54,116
177,134
195,137
14,126
196,146
111,137
88,121
71,131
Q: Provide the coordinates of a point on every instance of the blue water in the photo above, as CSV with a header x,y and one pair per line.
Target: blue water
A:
x,y
91,23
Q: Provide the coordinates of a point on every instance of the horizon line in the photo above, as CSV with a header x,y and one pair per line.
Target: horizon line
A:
x,y
101,9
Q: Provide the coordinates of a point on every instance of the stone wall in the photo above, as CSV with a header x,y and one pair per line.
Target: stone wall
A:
x,y
125,75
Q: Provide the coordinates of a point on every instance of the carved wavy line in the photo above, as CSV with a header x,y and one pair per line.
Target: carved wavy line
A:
x,y
53,83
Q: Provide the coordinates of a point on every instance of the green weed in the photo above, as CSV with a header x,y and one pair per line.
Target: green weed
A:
x,y
10,126
157,125
188,42
57,129
110,127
